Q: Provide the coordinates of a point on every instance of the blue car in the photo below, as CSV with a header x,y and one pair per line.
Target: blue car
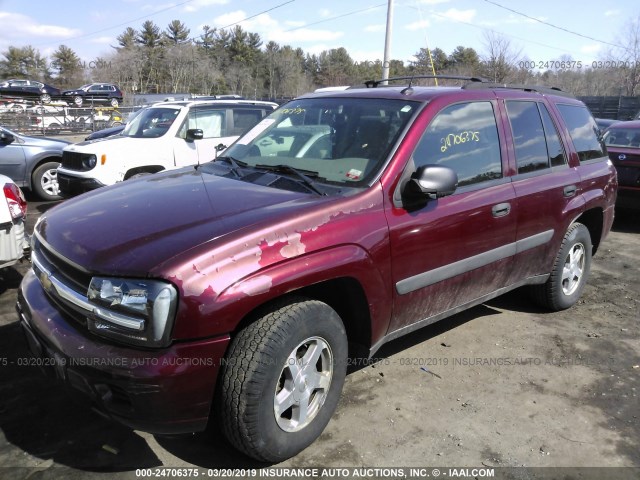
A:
x,y
115,130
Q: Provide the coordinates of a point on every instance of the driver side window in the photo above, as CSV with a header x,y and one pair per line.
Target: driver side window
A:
x,y
463,137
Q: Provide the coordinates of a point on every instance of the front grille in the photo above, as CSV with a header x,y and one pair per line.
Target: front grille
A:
x,y
76,279
50,267
73,160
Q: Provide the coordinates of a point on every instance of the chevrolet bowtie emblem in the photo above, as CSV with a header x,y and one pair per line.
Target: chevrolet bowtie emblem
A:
x,y
622,156
45,281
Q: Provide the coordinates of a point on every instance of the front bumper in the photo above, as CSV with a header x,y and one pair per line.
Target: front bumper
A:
x,y
159,391
70,185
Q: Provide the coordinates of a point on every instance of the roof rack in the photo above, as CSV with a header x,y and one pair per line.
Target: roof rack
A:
x,y
526,88
376,83
476,83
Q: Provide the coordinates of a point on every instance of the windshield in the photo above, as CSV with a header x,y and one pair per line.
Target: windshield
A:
x,y
623,137
343,140
151,123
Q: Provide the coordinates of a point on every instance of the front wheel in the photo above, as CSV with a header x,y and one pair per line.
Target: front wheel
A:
x,y
77,101
45,181
282,379
570,271
45,98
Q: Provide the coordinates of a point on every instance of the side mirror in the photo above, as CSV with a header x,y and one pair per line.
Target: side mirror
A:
x,y
194,134
220,147
6,137
431,181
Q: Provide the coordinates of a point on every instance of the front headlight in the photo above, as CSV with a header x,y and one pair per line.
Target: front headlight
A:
x,y
140,312
89,162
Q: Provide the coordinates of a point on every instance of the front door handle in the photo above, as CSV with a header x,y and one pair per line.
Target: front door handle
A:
x,y
501,209
570,190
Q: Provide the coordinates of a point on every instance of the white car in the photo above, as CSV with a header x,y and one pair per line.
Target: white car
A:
x,y
14,242
164,136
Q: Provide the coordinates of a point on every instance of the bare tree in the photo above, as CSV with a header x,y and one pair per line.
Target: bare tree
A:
x,y
626,57
500,60
179,64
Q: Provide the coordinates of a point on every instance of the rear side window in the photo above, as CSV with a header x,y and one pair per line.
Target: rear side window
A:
x,y
536,141
554,145
528,136
463,137
244,119
583,130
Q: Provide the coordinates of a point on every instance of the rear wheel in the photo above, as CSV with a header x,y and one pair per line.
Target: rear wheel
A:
x,y
283,378
570,271
114,102
45,181
45,98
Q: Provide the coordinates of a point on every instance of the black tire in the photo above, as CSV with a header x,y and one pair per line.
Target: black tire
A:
x,y
114,102
570,271
77,101
44,181
45,98
258,375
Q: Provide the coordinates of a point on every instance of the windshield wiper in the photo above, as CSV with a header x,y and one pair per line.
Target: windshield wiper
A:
x,y
304,177
235,164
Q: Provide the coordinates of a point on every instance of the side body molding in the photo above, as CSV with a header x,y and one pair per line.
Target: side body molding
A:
x,y
445,272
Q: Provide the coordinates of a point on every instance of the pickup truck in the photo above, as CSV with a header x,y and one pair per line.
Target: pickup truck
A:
x,y
240,290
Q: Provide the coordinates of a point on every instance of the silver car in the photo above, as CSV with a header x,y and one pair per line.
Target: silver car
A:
x,y
31,162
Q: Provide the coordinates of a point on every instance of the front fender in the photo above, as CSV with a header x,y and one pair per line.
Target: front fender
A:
x,y
222,313
34,160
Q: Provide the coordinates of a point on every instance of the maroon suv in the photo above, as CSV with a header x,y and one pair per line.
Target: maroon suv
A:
x,y
239,288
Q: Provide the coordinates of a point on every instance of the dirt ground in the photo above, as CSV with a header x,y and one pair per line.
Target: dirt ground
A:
x,y
503,384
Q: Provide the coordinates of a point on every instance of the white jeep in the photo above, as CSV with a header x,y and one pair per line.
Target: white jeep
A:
x,y
165,136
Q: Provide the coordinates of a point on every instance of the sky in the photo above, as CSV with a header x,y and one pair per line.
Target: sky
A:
x,y
584,30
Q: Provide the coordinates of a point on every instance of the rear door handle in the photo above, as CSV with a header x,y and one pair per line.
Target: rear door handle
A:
x,y
570,190
501,209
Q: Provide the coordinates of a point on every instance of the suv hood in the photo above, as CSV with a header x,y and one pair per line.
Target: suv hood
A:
x,y
116,141
132,227
44,142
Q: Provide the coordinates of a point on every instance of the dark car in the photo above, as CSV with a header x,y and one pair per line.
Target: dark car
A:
x,y
604,123
623,145
241,289
94,93
115,130
32,162
30,89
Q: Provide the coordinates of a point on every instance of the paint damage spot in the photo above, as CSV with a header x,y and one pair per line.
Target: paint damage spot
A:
x,y
256,286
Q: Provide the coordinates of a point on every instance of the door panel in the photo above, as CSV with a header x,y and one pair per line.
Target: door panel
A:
x,y
451,252
13,162
546,188
458,248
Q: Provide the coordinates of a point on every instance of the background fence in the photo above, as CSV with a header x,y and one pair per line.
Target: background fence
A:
x,y
617,108
33,118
